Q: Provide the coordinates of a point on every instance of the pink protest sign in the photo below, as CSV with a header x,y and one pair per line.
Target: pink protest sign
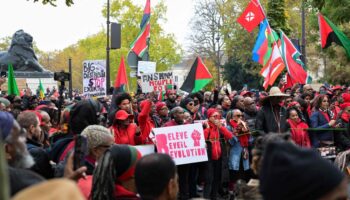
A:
x,y
184,143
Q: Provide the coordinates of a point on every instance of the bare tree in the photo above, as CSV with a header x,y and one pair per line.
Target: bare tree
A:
x,y
206,38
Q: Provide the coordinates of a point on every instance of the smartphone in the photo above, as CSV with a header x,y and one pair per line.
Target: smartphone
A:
x,y
3,74
80,151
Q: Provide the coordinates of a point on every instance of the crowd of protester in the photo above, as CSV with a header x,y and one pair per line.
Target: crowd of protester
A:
x,y
276,138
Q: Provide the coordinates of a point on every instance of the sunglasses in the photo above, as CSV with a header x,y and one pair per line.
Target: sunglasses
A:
x,y
190,104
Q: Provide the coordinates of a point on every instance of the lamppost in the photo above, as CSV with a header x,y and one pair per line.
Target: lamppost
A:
x,y
107,51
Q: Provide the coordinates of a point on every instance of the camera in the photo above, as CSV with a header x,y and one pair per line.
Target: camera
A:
x,y
3,74
61,76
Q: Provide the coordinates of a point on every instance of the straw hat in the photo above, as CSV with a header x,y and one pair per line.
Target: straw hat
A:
x,y
276,92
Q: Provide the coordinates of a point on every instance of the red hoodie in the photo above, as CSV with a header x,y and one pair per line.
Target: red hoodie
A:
x,y
145,122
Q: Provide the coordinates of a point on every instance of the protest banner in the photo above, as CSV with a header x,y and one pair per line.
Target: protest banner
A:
x,y
146,67
156,81
184,143
94,78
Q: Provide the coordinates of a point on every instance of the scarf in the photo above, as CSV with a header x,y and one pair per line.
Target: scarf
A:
x,y
243,139
299,133
345,117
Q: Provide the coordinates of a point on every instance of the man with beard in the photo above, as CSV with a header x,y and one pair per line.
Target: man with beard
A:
x,y
30,121
16,154
250,112
171,99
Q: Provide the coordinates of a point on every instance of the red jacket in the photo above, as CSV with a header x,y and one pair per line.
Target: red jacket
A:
x,y
213,134
126,136
145,122
299,133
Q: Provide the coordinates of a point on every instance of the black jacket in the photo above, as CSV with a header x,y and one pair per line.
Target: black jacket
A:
x,y
342,138
266,122
42,164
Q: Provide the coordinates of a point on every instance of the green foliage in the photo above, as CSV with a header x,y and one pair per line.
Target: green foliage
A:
x,y
163,48
53,2
238,73
277,16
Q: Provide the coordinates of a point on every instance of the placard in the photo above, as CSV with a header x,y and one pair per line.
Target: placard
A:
x,y
184,143
156,81
94,78
145,149
146,67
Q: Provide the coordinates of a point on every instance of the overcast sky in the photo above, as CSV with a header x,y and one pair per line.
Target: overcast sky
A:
x,y
55,28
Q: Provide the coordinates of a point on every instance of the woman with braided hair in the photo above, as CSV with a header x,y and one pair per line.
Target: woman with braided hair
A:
x,y
114,175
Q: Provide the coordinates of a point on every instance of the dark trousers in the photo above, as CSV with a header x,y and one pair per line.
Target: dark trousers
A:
x,y
213,179
183,172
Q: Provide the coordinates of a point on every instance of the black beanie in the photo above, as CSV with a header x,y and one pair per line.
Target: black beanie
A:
x,y
291,173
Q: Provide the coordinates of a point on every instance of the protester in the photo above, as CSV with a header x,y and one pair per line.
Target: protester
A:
x,y
99,139
30,121
198,101
272,117
124,131
188,105
239,153
212,135
162,115
322,118
298,128
82,114
171,99
342,138
238,103
156,177
280,176
250,112
145,119
114,175
121,101
225,103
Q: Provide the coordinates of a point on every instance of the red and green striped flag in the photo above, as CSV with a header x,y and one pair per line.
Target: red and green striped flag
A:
x,y
198,77
140,45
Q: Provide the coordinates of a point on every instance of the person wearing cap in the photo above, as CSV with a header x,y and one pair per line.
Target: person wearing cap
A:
x,y
342,138
162,115
114,176
272,117
289,172
250,112
212,136
124,131
6,104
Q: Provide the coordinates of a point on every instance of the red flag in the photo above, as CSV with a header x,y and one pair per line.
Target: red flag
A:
x,y
121,80
252,16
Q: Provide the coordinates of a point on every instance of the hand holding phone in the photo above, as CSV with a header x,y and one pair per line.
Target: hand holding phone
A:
x,y
80,151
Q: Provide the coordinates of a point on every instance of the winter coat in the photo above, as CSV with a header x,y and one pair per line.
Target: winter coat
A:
x,y
342,138
319,121
266,122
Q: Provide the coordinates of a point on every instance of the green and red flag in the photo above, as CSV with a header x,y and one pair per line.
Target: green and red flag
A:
x,y
12,88
140,45
198,77
331,33
121,81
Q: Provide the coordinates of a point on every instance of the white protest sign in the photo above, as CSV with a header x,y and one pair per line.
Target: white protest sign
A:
x,y
156,81
146,67
94,78
184,143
